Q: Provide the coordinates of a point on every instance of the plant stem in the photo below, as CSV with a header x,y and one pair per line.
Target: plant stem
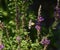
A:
x,y
23,17
45,47
17,15
39,13
38,33
57,2
1,29
17,22
7,33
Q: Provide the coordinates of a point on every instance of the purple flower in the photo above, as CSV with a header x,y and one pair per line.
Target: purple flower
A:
x,y
1,46
45,41
57,12
37,27
18,38
56,8
37,23
40,19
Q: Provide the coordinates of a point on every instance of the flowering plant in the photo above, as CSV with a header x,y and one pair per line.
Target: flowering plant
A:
x,y
21,29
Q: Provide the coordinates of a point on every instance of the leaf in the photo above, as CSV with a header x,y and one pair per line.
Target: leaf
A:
x,y
12,22
4,13
1,32
26,33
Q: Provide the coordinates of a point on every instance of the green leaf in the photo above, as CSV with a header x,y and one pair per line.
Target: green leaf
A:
x,y
26,33
1,32
4,13
12,22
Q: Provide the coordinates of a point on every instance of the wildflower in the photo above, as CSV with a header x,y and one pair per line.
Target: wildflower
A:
x,y
45,41
37,27
57,13
1,46
18,38
57,10
40,19
37,23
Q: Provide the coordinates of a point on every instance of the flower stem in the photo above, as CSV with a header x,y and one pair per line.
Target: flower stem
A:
x,y
39,13
17,22
7,33
45,47
17,15
38,33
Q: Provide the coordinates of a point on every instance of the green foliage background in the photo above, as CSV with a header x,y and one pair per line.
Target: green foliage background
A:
x,y
15,16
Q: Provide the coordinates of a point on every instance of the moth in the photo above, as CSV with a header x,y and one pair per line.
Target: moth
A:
x,y
30,24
